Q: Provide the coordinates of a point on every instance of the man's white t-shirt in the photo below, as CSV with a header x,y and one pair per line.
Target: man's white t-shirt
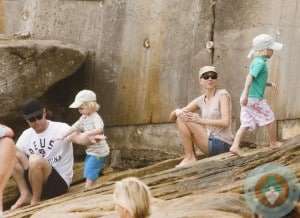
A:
x,y
58,153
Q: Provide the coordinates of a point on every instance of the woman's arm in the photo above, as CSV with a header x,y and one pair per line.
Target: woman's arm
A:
x,y
224,105
191,107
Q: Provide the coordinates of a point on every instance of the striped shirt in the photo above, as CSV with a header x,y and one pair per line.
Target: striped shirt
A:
x,y
87,123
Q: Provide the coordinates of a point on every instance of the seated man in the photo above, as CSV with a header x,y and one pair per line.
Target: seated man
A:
x,y
44,168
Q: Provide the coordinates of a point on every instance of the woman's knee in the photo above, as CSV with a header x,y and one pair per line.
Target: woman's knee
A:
x,y
181,123
6,141
7,149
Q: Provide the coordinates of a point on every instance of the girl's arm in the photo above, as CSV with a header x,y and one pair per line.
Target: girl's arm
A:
x,y
273,85
244,98
248,82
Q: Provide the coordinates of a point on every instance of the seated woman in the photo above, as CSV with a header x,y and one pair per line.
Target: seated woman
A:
x,y
7,159
132,198
210,129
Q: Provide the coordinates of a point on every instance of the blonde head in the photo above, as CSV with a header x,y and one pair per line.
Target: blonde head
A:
x,y
134,196
92,105
262,53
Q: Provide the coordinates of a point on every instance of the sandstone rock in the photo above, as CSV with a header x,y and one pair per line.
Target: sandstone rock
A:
x,y
30,67
210,187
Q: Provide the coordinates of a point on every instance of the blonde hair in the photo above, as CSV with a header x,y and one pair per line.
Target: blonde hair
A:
x,y
92,105
134,196
261,53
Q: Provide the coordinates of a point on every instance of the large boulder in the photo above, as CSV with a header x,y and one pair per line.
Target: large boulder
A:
x,y
30,67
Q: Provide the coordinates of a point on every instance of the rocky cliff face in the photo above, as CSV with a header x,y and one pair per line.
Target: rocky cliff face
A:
x,y
145,55
210,187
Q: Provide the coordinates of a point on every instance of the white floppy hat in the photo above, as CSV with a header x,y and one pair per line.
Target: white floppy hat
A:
x,y
83,96
206,69
262,42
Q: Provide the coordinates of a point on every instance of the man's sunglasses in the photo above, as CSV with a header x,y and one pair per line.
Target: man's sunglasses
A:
x,y
206,76
38,117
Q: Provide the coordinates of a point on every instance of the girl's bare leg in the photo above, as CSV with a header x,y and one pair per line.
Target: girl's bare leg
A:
x,y
235,148
272,135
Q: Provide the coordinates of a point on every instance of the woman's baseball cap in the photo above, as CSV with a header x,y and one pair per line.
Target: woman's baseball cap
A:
x,y
206,69
32,108
83,96
262,42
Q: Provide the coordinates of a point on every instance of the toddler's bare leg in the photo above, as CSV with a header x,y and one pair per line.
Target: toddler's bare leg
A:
x,y
89,183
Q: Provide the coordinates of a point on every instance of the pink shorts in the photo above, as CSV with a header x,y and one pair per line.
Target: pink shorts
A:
x,y
257,112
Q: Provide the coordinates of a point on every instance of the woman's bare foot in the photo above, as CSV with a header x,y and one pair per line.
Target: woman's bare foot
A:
x,y
186,161
22,201
275,145
237,151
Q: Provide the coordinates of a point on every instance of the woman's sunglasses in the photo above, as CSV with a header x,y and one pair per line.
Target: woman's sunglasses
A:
x,y
206,76
38,117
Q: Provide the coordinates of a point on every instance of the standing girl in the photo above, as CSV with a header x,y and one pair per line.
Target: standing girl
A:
x,y
254,108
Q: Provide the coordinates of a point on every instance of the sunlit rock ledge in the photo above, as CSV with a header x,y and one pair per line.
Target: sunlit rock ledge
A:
x,y
210,187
